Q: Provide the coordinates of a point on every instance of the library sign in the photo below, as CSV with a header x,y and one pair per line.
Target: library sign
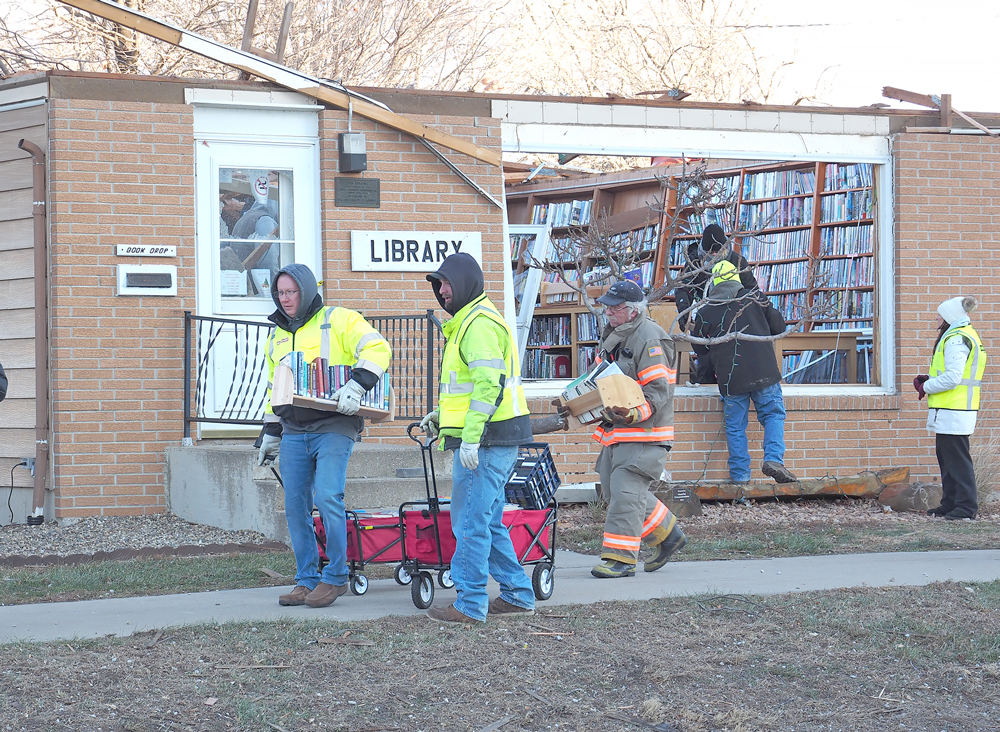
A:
x,y
410,251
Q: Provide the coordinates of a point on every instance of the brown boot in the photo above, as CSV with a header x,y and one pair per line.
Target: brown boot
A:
x,y
295,597
325,594
451,615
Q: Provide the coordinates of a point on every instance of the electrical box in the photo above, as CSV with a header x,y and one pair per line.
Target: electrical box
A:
x,y
147,279
353,158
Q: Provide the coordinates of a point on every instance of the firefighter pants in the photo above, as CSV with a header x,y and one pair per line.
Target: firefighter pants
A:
x,y
634,513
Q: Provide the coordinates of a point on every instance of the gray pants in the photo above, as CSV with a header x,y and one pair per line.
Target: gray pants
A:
x,y
634,513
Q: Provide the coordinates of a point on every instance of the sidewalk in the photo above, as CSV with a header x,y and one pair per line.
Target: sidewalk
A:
x,y
573,585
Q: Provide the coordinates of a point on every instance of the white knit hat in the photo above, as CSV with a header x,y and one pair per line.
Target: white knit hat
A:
x,y
957,307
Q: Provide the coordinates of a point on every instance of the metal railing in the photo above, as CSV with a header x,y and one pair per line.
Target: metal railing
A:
x,y
225,373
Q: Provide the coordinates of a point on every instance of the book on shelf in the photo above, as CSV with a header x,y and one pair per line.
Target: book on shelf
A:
x,y
846,206
767,247
588,327
543,364
780,277
716,191
854,175
549,330
778,183
776,214
838,241
570,213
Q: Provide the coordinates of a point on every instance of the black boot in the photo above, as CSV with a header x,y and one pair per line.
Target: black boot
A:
x,y
665,549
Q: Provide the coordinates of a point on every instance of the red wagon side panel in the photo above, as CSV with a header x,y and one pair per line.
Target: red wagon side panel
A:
x,y
378,533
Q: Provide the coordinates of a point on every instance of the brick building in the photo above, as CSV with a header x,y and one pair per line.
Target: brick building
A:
x,y
148,162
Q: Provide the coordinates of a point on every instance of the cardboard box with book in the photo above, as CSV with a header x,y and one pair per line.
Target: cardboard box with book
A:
x,y
603,386
312,384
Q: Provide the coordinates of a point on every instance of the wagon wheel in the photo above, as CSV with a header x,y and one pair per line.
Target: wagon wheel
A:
x,y
422,590
402,575
359,584
542,580
444,579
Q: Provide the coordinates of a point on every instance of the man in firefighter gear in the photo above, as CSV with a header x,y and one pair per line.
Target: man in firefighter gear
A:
x,y
482,415
635,441
314,444
953,390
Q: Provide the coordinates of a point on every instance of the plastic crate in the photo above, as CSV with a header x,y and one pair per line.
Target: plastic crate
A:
x,y
534,479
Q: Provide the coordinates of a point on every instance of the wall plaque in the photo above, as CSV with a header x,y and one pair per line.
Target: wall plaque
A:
x,y
356,192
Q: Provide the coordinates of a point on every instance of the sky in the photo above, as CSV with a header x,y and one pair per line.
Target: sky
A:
x,y
853,48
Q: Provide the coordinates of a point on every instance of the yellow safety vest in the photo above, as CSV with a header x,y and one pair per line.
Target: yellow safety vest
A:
x,y
341,336
965,396
465,401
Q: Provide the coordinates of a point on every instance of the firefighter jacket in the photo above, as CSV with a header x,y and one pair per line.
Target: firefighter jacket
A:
x,y
965,396
644,352
481,380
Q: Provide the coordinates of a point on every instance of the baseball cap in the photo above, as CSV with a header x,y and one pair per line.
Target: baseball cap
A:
x,y
624,291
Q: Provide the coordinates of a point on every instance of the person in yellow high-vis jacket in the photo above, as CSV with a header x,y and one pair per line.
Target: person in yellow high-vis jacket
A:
x,y
953,390
635,441
482,415
314,444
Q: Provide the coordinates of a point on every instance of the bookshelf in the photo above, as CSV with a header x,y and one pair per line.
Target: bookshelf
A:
x,y
808,231
561,339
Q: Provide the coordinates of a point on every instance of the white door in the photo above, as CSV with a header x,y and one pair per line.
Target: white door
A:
x,y
257,211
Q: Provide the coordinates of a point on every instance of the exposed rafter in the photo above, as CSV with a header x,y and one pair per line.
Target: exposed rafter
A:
x,y
336,95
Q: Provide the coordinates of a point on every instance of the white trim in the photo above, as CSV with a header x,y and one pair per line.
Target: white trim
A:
x,y
550,389
278,100
22,105
33,92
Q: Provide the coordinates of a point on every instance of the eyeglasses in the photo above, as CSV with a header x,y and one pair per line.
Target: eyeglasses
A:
x,y
287,293
615,308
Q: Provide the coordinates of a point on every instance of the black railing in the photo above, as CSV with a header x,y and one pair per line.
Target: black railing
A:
x,y
214,348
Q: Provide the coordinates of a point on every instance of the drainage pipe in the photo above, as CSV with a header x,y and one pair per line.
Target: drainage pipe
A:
x,y
37,516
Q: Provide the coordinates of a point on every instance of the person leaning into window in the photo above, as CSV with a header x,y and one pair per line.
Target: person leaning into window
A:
x,y
3,384
953,391
315,444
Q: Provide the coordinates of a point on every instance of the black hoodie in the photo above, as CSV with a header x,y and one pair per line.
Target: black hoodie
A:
x,y
465,276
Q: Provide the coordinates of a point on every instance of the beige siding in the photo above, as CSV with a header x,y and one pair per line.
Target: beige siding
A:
x,y
17,294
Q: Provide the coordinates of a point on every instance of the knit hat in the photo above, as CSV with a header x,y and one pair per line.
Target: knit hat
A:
x,y
957,307
724,271
713,238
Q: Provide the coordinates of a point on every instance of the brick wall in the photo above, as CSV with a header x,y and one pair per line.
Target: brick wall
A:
x,y
947,203
120,173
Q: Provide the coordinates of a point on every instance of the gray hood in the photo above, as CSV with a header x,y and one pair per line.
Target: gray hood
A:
x,y
310,301
465,276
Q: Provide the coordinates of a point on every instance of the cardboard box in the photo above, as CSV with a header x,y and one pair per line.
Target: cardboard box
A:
x,y
283,392
616,390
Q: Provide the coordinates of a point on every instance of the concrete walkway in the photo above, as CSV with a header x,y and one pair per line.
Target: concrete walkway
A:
x,y
573,585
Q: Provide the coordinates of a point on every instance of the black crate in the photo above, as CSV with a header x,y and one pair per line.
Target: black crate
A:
x,y
534,479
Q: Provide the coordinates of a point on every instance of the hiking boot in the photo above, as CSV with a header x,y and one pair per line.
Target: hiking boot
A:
x,y
451,615
665,549
611,569
499,606
295,597
937,512
325,594
779,472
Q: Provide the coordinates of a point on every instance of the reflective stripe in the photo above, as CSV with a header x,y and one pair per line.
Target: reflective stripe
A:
x,y
324,334
271,417
617,541
490,363
365,340
629,434
658,371
369,366
478,406
453,387
645,411
655,518
973,383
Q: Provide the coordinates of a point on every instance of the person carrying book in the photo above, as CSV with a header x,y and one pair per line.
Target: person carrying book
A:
x,y
635,441
953,389
745,370
482,415
315,444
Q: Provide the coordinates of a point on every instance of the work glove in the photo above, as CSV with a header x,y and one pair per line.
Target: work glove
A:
x,y
468,454
918,384
561,409
620,415
269,446
429,425
348,397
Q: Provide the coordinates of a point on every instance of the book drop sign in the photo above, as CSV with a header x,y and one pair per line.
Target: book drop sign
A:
x,y
410,251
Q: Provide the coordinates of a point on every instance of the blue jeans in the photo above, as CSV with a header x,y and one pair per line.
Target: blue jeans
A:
x,y
314,471
482,542
770,408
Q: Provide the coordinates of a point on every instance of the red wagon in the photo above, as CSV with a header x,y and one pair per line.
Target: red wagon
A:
x,y
419,539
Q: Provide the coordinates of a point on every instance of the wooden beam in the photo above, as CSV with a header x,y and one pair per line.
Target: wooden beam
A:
x,y
975,124
924,100
286,24
865,485
946,110
279,74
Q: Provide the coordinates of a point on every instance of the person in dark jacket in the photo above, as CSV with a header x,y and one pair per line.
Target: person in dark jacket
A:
x,y
745,369
3,384
691,282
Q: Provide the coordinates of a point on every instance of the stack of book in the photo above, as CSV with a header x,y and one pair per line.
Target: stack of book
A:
x,y
318,380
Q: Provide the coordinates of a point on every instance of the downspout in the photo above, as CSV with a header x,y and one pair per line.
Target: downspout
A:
x,y
37,516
